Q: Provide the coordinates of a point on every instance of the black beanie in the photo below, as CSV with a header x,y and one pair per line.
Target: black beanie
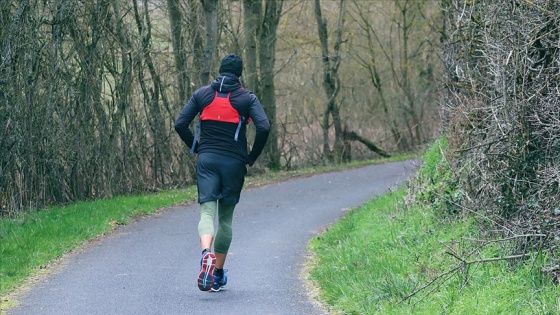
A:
x,y
232,64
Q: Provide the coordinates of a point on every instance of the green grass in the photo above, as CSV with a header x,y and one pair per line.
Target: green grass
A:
x,y
378,254
29,242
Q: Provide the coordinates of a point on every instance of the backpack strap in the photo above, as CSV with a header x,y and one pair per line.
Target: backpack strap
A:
x,y
241,120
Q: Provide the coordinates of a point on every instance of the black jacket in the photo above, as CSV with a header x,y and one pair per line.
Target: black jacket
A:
x,y
216,136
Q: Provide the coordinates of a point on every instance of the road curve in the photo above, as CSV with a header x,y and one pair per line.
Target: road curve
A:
x,y
150,266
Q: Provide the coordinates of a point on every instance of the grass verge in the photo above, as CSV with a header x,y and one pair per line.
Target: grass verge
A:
x,y
29,242
377,255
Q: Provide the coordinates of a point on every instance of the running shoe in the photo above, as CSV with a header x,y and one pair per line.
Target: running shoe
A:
x,y
206,275
219,282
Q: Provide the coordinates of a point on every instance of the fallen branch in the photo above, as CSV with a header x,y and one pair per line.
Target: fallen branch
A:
x,y
459,266
351,135
449,272
504,239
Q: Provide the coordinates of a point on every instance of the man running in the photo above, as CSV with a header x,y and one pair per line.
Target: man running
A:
x,y
225,109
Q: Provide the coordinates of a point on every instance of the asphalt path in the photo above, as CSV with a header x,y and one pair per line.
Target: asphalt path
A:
x,y
151,266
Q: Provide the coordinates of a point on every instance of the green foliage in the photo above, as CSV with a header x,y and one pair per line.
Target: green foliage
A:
x,y
436,183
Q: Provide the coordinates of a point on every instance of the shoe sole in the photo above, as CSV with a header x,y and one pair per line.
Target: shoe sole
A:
x,y
206,275
218,289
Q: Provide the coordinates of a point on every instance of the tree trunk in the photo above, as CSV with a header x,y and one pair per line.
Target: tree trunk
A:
x,y
154,95
260,42
252,12
353,136
123,96
211,16
405,8
331,83
271,18
197,44
176,24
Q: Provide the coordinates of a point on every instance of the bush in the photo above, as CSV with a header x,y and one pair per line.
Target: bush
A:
x,y
501,110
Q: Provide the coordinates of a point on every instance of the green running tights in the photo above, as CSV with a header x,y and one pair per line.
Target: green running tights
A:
x,y
222,238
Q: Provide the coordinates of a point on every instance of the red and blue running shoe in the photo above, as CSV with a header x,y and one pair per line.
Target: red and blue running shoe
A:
x,y
206,275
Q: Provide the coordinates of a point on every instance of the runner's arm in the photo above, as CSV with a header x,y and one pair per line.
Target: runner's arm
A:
x,y
183,121
262,125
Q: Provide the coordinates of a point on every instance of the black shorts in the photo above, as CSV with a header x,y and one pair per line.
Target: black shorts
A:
x,y
219,177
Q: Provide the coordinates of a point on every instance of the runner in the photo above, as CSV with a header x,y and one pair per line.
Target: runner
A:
x,y
225,109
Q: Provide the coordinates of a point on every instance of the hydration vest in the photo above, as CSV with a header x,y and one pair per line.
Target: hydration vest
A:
x,y
220,109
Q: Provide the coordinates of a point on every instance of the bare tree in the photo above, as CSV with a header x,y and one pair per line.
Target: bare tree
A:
x,y
331,81
396,45
251,26
211,27
152,96
260,35
178,40
408,11
89,91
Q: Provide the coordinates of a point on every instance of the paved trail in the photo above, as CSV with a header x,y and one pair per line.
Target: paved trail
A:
x,y
150,267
